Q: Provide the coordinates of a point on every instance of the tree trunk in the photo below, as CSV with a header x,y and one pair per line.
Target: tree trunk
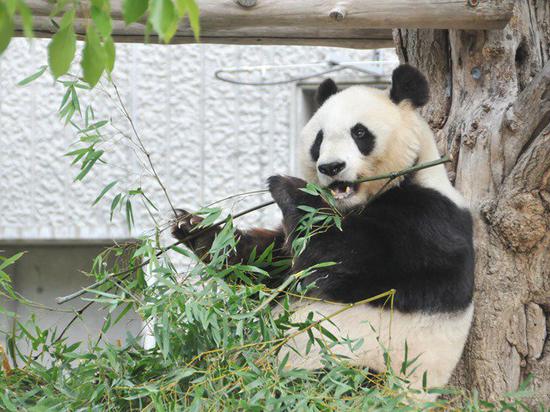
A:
x,y
490,110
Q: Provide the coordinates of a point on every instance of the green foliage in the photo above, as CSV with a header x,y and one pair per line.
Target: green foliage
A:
x,y
93,57
216,340
110,54
33,76
99,53
62,48
216,333
163,18
133,10
6,27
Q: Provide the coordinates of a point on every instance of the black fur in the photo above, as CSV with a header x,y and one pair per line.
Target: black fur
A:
x,y
409,83
286,192
411,239
326,89
316,146
363,138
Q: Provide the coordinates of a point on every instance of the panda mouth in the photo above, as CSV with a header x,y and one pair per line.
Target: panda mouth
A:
x,y
343,190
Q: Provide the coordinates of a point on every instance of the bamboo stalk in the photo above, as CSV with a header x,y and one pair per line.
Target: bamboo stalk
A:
x,y
415,168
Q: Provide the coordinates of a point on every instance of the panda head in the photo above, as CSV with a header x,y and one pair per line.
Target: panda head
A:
x,y
363,131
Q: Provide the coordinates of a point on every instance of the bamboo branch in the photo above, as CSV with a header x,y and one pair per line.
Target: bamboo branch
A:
x,y
127,272
345,306
278,290
391,176
415,168
142,146
63,299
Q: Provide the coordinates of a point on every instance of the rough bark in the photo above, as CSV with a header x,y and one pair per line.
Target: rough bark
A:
x,y
490,110
349,23
336,14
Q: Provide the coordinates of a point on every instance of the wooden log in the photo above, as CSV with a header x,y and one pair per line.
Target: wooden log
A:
x,y
384,14
347,23
353,38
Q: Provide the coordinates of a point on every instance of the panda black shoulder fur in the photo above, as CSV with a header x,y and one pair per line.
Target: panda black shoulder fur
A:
x,y
416,237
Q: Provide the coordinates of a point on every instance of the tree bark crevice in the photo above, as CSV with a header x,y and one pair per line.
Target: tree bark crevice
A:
x,y
523,122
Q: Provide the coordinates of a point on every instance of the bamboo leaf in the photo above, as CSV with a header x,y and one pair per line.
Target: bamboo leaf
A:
x,y
110,54
6,28
61,50
11,260
33,77
104,192
122,313
164,18
133,10
182,251
93,57
65,98
194,16
101,15
74,100
165,335
89,162
129,214
114,204
26,18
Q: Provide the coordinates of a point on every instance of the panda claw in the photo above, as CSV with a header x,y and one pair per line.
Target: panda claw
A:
x,y
184,224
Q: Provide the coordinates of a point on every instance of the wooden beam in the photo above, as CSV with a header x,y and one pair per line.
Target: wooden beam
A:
x,y
345,23
347,14
354,38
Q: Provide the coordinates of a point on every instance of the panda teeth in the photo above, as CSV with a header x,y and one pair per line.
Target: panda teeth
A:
x,y
342,190
334,193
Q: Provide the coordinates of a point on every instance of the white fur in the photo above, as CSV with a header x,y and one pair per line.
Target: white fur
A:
x,y
402,137
438,339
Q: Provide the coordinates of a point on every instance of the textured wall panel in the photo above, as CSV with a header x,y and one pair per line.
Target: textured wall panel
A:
x,y
208,139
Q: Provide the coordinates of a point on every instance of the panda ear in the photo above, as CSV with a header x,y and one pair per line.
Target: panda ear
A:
x,y
409,83
326,89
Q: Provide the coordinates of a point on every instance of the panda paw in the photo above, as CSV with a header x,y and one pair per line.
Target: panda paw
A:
x,y
285,190
185,223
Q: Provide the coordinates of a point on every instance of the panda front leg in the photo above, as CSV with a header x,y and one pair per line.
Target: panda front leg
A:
x,y
186,230
200,241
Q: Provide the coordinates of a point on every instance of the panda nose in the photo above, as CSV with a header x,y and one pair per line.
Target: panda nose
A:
x,y
331,169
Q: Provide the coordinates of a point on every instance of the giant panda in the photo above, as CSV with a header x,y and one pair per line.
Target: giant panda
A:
x,y
415,236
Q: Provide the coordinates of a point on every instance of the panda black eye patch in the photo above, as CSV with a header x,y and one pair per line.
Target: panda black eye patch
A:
x,y
364,139
316,146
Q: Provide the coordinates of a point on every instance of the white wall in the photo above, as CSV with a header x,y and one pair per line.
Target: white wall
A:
x,y
208,139
48,271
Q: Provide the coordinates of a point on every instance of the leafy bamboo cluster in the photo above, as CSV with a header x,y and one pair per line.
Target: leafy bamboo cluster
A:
x,y
99,52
